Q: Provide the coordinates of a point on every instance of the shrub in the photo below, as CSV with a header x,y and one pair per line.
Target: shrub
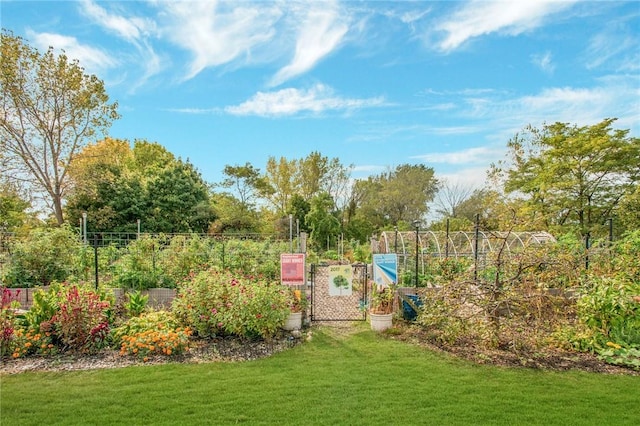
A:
x,y
137,268
218,303
185,255
8,303
31,342
154,320
156,342
607,308
152,333
82,320
136,303
44,256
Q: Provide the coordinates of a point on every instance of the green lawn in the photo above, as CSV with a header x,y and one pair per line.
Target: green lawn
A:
x,y
360,379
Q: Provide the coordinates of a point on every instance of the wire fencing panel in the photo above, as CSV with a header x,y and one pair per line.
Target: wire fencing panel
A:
x,y
344,304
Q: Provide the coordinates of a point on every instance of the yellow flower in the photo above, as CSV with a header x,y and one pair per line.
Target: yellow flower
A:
x,y
613,345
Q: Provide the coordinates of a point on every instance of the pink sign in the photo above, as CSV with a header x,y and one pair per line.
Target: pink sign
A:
x,y
292,269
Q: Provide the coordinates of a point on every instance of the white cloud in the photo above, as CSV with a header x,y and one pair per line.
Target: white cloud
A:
x,y
477,18
291,101
94,61
478,155
472,177
319,33
614,48
135,30
218,33
544,62
128,28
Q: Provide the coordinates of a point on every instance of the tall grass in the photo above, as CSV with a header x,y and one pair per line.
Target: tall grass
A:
x,y
357,379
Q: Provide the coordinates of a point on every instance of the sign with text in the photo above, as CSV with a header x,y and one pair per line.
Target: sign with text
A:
x,y
340,280
385,269
292,269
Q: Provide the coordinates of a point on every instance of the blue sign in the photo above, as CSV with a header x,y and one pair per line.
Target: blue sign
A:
x,y
385,269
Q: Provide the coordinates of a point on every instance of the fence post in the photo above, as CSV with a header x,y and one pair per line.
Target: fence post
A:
x,y
476,237
95,256
586,251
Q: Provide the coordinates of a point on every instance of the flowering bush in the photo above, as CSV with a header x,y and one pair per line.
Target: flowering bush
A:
x,y
218,303
155,320
82,320
31,342
163,341
8,304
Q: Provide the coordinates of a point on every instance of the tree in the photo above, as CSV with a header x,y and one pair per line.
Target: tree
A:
x,y
324,226
246,183
232,216
117,185
449,198
50,109
628,212
280,183
572,175
13,214
399,195
178,200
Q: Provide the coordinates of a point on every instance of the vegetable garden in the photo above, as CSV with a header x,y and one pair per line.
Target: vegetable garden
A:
x,y
554,295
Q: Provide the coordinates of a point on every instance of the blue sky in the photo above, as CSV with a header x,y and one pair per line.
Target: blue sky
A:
x,y
376,84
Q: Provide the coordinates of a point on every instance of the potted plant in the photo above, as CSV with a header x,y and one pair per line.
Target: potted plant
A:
x,y
297,305
381,307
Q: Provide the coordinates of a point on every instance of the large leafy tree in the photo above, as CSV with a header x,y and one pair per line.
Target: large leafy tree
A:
x,y
280,183
50,108
397,196
324,226
246,183
117,185
571,175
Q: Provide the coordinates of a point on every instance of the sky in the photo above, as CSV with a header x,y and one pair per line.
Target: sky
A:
x,y
376,84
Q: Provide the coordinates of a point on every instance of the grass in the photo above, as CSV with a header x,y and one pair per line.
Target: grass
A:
x,y
355,379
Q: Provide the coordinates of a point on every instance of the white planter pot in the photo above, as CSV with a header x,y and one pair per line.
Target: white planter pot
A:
x,y
294,321
380,322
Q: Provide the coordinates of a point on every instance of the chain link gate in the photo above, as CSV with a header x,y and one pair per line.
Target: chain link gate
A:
x,y
328,307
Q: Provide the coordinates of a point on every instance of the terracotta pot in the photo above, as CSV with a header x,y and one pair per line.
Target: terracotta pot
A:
x,y
380,322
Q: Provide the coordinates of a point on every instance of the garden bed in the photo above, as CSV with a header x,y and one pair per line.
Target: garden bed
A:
x,y
213,350
553,359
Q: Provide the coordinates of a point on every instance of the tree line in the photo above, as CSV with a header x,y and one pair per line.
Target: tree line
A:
x,y
561,177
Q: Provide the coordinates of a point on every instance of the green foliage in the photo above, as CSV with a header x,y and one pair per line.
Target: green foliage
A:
x,y
137,267
82,320
382,299
147,321
325,227
247,257
116,185
398,195
441,317
45,305
221,303
186,254
44,256
50,109
618,355
598,165
608,309
136,303
12,209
